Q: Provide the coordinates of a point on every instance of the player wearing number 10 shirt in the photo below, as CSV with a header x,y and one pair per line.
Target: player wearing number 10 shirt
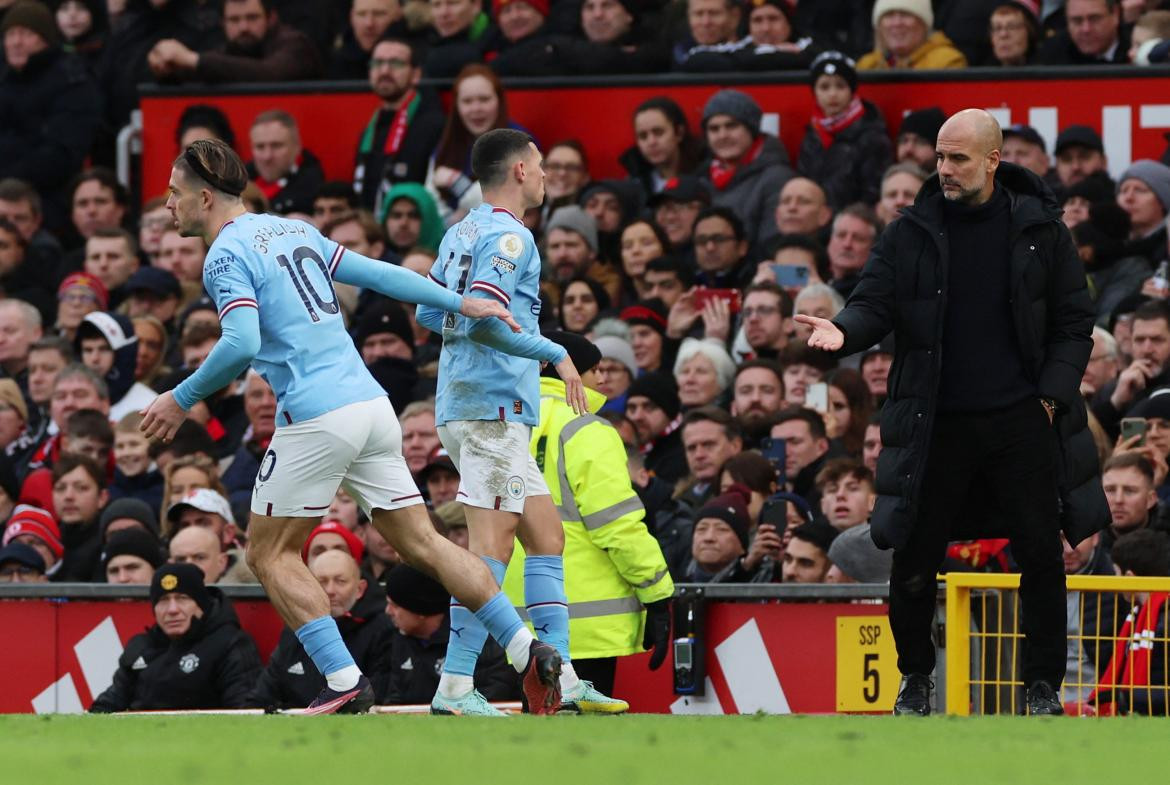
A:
x,y
272,280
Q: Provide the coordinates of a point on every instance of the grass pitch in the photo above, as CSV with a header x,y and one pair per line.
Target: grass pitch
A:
x,y
633,750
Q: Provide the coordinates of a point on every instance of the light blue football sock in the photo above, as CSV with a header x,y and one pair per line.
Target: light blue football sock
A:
x,y
544,594
467,632
324,645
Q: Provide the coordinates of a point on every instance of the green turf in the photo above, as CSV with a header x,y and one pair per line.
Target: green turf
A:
x,y
634,750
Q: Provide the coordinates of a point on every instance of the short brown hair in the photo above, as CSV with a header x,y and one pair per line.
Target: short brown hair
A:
x,y
843,468
1130,460
70,461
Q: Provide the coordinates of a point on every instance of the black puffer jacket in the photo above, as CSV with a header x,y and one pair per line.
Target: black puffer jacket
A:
x,y
213,666
850,169
291,680
903,289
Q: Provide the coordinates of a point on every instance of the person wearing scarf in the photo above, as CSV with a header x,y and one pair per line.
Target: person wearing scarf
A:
x,y
747,167
846,148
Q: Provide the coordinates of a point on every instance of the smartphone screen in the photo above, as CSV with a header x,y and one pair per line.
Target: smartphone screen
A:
x,y
791,276
1134,426
817,397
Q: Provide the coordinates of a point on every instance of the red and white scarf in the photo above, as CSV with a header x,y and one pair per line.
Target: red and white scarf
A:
x,y
721,173
827,128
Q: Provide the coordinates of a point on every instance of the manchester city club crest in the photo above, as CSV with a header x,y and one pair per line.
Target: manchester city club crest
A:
x,y
188,663
516,487
511,245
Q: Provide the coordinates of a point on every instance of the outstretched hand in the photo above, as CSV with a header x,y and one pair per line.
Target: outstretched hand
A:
x,y
574,387
162,418
825,334
481,308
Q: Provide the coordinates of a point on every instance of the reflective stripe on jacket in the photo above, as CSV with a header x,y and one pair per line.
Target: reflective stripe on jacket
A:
x,y
612,563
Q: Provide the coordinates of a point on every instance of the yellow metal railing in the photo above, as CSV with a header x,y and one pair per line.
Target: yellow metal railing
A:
x,y
983,640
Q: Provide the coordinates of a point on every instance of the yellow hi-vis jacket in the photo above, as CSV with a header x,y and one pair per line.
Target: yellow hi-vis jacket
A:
x,y
612,563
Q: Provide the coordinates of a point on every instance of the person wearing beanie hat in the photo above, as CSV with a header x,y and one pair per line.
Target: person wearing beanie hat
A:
x,y
29,16
131,556
747,167
36,528
108,346
719,538
846,148
519,19
79,295
1076,199
331,535
414,591
917,137
1100,39
615,371
652,405
384,331
856,559
570,242
903,39
1144,192
584,354
195,656
21,563
127,512
358,605
806,557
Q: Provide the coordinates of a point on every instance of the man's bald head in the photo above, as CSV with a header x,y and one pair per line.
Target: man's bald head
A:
x,y
975,125
339,576
968,152
200,546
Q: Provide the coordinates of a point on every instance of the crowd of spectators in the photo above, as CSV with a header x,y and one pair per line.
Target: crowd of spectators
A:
x,y
754,456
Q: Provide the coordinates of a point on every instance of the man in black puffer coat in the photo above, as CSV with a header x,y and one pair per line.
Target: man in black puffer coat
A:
x,y
194,657
984,433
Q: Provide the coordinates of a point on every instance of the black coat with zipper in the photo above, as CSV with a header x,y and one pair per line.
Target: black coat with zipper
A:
x,y
903,288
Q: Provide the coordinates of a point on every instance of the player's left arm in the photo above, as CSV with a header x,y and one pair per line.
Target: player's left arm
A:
x,y
426,315
406,286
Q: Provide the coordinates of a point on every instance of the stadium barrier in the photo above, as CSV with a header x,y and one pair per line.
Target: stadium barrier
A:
x,y
1130,106
984,643
772,648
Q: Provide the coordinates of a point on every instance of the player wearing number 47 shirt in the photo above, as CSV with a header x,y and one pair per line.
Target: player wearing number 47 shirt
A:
x,y
488,400
272,279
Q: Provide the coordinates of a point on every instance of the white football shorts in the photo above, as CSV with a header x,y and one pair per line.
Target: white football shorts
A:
x,y
496,470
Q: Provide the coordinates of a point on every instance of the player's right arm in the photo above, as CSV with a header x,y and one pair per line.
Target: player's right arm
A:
x,y
426,315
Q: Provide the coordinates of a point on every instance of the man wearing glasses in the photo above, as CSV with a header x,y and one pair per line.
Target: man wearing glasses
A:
x,y
397,142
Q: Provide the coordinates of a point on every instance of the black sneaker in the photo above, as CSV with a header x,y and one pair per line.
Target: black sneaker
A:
x,y
1042,700
914,695
359,700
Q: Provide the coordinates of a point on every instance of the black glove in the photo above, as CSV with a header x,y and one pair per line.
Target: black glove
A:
x,y
657,635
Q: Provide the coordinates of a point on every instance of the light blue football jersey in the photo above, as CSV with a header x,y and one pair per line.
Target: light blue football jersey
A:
x,y
284,268
491,253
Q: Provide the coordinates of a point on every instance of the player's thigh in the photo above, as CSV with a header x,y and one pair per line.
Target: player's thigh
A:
x,y
268,537
494,463
304,465
378,477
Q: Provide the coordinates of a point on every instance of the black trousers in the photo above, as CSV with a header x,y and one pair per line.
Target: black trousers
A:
x,y
1009,455
600,671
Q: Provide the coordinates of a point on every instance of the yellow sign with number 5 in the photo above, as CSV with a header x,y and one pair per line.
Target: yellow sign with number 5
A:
x,y
867,664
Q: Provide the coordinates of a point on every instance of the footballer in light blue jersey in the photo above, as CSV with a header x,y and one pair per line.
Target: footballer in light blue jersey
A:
x,y
485,373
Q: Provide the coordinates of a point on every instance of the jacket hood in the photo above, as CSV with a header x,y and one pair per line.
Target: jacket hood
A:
x,y
431,231
1016,179
555,388
119,333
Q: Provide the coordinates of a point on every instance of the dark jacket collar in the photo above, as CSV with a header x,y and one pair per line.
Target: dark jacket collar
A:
x,y
1033,202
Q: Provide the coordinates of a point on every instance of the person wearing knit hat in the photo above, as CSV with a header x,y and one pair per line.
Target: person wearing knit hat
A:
x,y
79,295
648,320
747,167
416,592
1144,192
584,354
903,38
570,242
519,19
131,556
34,17
806,558
179,579
652,405
855,558
616,370
846,148
38,529
384,331
719,538
1077,198
331,535
127,512
917,137
13,412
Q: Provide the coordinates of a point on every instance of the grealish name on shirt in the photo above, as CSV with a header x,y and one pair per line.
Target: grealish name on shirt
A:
x,y
265,234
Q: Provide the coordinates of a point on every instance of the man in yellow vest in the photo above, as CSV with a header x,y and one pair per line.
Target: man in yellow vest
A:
x,y
616,580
